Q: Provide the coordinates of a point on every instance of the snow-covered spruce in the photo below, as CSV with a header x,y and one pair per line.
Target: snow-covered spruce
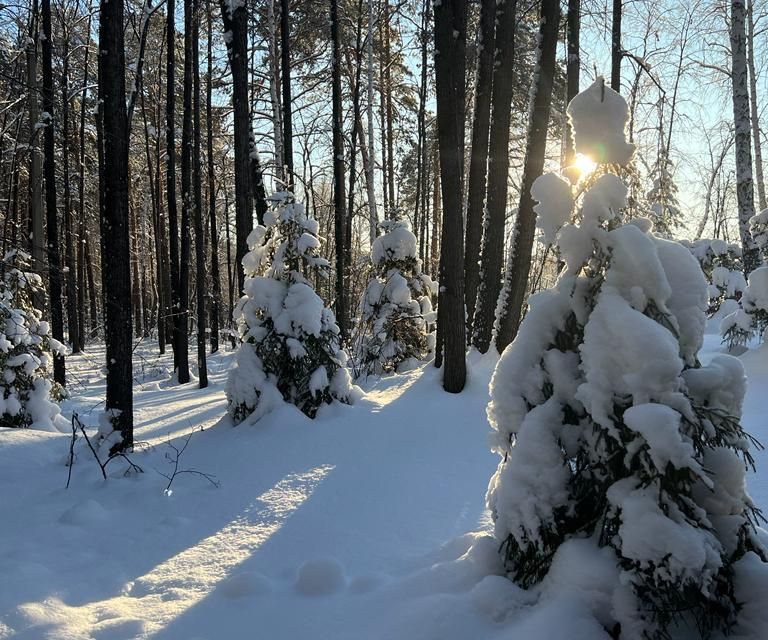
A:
x,y
27,392
290,340
397,315
723,269
610,430
751,318
758,228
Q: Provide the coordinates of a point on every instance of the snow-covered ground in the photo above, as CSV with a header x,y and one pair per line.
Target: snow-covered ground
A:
x,y
366,523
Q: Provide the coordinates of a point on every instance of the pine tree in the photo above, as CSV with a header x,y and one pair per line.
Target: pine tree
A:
x,y
290,340
610,431
397,303
28,393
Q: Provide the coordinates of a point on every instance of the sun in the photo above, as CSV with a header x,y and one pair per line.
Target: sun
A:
x,y
584,164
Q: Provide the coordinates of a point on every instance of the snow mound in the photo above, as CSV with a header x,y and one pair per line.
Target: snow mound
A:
x,y
320,577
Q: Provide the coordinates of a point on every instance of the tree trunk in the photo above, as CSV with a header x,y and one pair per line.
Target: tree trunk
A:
x,y
187,196
492,247
285,59
236,24
373,219
450,42
478,163
519,265
70,257
115,254
616,52
744,189
197,189
338,173
759,179
573,69
51,213
82,227
214,230
35,231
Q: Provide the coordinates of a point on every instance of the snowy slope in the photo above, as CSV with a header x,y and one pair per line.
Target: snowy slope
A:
x,y
352,526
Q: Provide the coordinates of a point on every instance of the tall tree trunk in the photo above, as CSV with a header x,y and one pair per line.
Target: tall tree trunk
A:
x,y
285,58
274,92
338,173
616,52
235,19
478,163
187,196
744,189
36,233
356,131
519,265
756,140
214,230
70,257
492,247
373,219
115,254
450,43
82,226
197,190
573,70
51,213
388,89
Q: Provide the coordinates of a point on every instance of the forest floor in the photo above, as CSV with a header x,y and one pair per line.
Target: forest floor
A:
x,y
366,523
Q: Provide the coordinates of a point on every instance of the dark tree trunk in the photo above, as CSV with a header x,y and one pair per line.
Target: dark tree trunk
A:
x,y
519,266
70,257
115,254
236,24
492,247
214,230
573,69
478,164
187,197
51,214
82,227
616,52
170,182
388,89
450,42
285,64
197,190
338,173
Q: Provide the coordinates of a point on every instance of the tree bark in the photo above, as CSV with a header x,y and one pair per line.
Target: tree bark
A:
x,y
214,230
197,202
519,265
115,252
492,247
573,70
478,163
616,52
338,173
450,43
744,188
35,231
285,58
51,212
236,25
756,140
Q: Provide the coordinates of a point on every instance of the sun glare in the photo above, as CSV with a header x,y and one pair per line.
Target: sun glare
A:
x,y
584,164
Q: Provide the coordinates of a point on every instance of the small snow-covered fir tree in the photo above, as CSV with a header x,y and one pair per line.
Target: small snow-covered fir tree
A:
x,y
758,228
28,394
722,266
291,346
397,310
662,197
609,428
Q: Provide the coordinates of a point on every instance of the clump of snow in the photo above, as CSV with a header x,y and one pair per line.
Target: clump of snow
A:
x,y
290,347
599,117
320,577
555,203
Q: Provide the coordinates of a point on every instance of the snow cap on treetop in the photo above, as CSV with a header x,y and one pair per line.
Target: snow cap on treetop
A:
x,y
598,117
